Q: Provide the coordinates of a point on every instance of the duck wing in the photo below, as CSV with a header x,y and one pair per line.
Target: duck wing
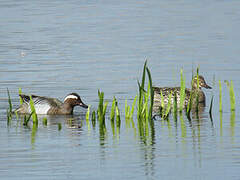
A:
x,y
41,100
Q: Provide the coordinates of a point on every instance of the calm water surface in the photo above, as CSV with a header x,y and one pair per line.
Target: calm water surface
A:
x,y
52,48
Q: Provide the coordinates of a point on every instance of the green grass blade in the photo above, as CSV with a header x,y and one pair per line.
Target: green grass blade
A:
x,y
105,108
9,101
175,105
112,115
151,94
118,120
232,96
133,105
34,115
44,121
88,113
182,91
59,126
162,101
126,110
93,119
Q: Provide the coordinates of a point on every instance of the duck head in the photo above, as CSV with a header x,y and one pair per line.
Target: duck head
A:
x,y
202,83
74,99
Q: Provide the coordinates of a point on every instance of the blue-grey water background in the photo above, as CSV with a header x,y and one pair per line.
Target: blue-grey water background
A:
x,y
53,48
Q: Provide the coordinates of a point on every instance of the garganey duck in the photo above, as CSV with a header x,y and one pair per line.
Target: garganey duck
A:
x,y
46,105
196,91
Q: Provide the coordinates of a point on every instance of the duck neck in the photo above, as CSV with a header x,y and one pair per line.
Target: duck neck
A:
x,y
67,108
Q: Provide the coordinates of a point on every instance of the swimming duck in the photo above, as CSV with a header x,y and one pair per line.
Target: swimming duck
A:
x,y
196,91
46,105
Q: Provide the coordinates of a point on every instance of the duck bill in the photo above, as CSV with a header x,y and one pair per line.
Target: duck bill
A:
x,y
83,105
207,86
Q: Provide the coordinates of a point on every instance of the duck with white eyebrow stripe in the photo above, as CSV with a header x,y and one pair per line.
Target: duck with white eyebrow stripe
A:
x,y
46,105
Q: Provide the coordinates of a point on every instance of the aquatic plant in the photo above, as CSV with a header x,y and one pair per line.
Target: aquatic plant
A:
x,y
34,114
87,117
59,126
44,121
232,97
145,104
26,119
102,107
118,120
112,114
231,94
168,108
196,94
128,112
88,113
182,92
93,119
9,110
101,112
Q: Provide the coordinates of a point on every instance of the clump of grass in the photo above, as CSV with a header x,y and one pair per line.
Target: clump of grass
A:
x,y
144,108
34,114
102,107
182,92
220,96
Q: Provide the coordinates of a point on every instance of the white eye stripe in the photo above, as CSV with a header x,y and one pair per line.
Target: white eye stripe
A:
x,y
70,97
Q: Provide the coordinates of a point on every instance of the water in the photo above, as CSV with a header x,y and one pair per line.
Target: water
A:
x,y
52,48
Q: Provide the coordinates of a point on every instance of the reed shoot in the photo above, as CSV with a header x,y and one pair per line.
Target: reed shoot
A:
x,y
34,115
168,108
93,119
101,108
88,113
112,115
182,91
232,95
118,120
9,110
44,121
27,119
133,105
59,126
